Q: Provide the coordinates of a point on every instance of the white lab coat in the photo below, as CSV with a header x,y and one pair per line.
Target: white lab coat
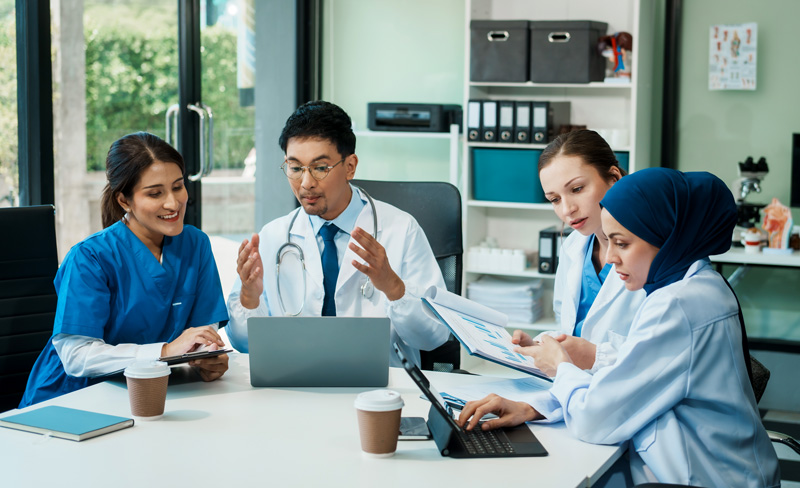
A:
x,y
409,255
610,316
678,393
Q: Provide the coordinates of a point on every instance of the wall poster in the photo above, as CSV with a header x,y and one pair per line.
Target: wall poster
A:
x,y
732,57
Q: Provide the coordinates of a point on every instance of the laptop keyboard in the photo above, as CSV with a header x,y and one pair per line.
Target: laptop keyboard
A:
x,y
480,442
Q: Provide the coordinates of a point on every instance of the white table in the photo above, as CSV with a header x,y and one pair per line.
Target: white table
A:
x,y
227,433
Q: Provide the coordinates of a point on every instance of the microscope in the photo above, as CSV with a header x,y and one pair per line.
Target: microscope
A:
x,y
749,181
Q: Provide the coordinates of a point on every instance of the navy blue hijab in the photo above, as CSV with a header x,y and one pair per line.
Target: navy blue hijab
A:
x,y
688,216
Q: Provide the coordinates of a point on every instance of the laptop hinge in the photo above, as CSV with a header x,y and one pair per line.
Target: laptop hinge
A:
x,y
442,433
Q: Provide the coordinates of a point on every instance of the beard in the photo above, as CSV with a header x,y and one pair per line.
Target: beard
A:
x,y
319,208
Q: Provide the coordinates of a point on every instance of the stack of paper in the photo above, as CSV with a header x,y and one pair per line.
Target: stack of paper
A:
x,y
520,300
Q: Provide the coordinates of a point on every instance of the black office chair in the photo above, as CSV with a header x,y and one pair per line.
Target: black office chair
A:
x,y
759,376
437,208
28,265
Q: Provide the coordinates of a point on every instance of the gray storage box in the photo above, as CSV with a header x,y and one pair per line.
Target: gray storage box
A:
x,y
499,50
566,51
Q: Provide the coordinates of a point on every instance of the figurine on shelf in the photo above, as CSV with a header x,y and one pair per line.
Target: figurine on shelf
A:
x,y
617,48
778,225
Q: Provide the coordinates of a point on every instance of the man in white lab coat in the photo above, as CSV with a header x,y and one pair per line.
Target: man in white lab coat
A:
x,y
349,268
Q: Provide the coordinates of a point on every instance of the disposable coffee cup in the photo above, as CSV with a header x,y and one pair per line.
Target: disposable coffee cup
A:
x,y
379,422
147,388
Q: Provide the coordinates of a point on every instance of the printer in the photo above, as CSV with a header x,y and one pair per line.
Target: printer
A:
x,y
414,117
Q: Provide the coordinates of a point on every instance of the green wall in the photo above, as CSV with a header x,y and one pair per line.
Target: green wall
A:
x,y
717,129
394,51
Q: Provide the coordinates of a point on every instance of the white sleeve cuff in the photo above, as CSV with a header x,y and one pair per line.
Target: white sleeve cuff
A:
x,y
237,325
149,352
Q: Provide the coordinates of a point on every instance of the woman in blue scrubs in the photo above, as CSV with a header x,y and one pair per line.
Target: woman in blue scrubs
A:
x,y
591,307
144,287
679,393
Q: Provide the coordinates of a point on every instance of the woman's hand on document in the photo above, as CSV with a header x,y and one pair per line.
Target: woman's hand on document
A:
x,y
548,354
581,351
509,413
522,339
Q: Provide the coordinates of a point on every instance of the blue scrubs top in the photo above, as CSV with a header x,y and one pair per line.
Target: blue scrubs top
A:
x,y
590,287
110,286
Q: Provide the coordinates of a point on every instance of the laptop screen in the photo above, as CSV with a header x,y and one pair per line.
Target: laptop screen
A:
x,y
425,386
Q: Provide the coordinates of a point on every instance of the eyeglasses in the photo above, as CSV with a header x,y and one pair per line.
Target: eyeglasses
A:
x,y
294,170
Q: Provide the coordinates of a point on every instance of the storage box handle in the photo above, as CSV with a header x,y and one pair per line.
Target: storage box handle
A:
x,y
558,37
497,36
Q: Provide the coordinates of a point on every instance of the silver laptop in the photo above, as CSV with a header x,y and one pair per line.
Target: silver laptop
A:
x,y
319,351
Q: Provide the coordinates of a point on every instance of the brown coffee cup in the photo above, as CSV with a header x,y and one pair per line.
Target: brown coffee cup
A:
x,y
379,421
147,388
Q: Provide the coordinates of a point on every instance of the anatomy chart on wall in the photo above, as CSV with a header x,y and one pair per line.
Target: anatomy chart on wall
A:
x,y
732,57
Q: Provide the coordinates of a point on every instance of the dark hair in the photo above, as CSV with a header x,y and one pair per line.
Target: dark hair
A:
x,y
127,158
322,120
586,144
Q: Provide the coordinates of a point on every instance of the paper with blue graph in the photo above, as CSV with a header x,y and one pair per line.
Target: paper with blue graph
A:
x,y
480,329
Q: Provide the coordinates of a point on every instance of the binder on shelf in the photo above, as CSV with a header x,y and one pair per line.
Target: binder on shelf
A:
x,y
505,125
522,122
547,118
474,120
489,121
550,241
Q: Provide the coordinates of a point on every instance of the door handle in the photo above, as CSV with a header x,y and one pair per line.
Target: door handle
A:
x,y
204,112
172,112
210,145
202,115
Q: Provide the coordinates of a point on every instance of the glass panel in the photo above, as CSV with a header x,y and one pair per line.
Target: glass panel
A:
x,y
228,73
115,71
9,172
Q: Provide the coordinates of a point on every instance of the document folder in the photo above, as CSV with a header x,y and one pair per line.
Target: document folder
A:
x,y
489,122
522,122
506,122
474,120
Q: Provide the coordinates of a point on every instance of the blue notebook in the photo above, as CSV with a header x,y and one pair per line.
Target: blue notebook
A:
x,y
67,423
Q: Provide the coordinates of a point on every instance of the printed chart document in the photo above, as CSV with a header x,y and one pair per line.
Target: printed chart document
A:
x,y
67,423
480,329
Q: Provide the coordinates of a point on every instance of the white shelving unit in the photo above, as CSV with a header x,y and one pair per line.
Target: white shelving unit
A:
x,y
453,136
633,108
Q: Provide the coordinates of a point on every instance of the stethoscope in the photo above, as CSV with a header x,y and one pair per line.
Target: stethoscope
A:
x,y
367,289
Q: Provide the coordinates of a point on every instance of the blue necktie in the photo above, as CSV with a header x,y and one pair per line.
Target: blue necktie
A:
x,y
330,268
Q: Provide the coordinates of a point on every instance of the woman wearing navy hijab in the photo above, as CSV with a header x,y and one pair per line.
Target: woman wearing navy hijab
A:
x,y
144,287
679,393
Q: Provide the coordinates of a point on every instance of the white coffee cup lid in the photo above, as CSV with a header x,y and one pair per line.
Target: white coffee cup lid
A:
x,y
379,401
147,369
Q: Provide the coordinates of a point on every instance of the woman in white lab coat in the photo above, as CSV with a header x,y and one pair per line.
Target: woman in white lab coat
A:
x,y
591,307
679,392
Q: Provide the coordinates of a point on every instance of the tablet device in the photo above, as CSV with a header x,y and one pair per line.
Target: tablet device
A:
x,y
189,356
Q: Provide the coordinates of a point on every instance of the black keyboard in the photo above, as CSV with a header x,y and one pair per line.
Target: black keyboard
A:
x,y
480,442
